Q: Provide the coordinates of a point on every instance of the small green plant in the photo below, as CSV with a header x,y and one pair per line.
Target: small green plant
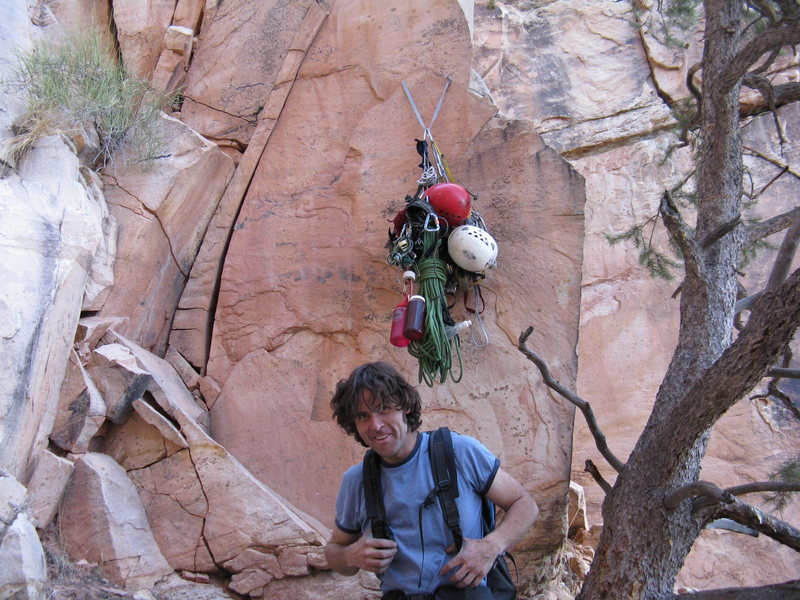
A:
x,y
788,472
658,264
74,84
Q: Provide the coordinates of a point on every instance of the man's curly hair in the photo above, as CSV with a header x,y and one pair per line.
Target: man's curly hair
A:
x,y
385,387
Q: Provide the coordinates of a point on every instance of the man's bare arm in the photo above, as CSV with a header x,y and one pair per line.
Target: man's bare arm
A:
x,y
476,558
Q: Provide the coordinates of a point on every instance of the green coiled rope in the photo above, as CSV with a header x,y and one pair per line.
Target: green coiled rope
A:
x,y
434,352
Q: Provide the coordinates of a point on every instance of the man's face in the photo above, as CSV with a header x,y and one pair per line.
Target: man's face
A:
x,y
385,431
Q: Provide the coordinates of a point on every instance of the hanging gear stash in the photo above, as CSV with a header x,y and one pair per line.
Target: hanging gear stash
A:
x,y
442,241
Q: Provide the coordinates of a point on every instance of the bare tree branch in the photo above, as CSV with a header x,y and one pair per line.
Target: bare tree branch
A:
x,y
773,160
763,486
758,520
592,469
705,493
767,90
765,9
787,373
721,231
585,408
768,184
702,489
787,591
774,225
746,303
783,262
680,232
787,34
782,94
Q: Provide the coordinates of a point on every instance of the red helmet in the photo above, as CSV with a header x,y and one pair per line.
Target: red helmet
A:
x,y
450,201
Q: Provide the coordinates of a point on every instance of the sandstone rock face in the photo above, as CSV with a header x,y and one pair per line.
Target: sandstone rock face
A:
x,y
51,226
17,36
141,27
223,100
163,213
601,102
286,330
574,69
252,257
191,331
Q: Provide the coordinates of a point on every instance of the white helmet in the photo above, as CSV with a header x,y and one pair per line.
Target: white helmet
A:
x,y
472,248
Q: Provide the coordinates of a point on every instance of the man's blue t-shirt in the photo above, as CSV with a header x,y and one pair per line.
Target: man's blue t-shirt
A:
x,y
420,532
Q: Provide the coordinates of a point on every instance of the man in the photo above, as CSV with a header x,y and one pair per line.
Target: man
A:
x,y
382,411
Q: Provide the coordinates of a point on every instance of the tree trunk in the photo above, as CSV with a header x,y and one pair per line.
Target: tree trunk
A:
x,y
643,545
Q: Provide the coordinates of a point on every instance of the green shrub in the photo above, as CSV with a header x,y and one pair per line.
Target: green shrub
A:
x,y
73,84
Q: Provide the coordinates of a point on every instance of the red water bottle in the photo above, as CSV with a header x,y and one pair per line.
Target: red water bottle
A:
x,y
415,318
396,336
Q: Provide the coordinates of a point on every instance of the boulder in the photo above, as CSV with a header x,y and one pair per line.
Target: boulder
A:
x,y
23,568
185,479
200,523
188,13
91,330
165,385
145,437
47,485
576,510
119,378
102,520
81,409
188,374
170,72
322,585
12,498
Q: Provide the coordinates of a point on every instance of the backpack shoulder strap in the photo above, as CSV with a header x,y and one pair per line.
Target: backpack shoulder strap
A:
x,y
445,479
373,496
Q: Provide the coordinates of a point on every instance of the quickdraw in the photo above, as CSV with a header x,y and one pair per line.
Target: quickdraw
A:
x,y
440,242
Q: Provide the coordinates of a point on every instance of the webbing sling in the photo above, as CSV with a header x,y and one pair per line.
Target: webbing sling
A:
x,y
445,480
373,496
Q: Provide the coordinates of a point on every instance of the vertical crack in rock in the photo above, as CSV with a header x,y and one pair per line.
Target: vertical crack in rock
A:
x,y
160,224
203,517
662,93
243,177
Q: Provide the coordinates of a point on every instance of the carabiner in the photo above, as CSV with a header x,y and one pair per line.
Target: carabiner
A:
x,y
427,226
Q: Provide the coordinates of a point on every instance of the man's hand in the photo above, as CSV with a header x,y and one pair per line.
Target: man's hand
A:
x,y
347,553
471,565
371,554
